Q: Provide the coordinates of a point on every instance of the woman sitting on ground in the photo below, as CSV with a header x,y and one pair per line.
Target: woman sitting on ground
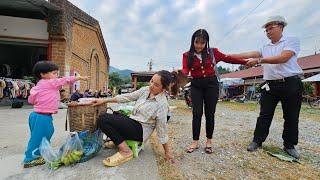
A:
x,y
149,113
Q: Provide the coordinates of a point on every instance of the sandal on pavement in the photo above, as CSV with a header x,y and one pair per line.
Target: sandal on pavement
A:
x,y
109,145
208,149
35,162
116,160
191,149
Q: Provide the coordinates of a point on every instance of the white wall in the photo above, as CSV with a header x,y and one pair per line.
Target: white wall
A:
x,y
23,27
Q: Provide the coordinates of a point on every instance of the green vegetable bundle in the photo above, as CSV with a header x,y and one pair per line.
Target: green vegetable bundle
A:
x,y
125,112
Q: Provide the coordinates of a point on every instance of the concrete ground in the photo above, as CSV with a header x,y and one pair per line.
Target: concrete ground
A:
x,y
14,134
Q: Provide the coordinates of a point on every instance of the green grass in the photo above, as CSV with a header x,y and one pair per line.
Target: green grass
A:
x,y
251,106
306,111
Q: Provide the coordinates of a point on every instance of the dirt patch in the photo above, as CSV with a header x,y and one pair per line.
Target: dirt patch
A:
x,y
166,170
234,126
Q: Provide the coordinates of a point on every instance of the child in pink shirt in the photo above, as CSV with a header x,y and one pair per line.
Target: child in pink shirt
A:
x,y
45,99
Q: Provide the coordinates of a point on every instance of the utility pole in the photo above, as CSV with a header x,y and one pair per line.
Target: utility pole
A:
x,y
150,63
315,47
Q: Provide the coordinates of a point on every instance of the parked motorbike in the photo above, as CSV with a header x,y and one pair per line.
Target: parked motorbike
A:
x,y
186,90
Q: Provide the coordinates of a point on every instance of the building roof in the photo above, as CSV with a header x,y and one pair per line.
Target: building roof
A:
x,y
306,62
246,73
68,13
143,73
86,18
142,76
41,9
309,62
37,9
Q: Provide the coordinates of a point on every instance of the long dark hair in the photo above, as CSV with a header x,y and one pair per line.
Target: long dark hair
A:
x,y
200,33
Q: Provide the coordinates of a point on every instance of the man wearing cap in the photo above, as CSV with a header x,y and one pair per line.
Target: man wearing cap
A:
x,y
281,73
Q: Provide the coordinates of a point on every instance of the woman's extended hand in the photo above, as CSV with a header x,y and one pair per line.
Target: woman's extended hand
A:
x,y
98,102
252,62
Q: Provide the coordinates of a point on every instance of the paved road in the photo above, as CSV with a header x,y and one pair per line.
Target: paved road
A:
x,y
14,134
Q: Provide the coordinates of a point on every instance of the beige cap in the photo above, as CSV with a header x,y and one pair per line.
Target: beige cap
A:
x,y
275,19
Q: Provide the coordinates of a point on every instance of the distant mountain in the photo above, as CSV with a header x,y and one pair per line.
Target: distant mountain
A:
x,y
123,73
113,69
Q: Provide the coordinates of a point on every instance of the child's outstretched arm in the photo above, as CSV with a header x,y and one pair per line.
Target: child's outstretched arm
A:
x,y
82,78
59,82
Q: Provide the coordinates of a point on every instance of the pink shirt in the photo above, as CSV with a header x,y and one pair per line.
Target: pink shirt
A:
x,y
45,95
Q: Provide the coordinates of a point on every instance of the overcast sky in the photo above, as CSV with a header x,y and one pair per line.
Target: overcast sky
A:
x,y
136,31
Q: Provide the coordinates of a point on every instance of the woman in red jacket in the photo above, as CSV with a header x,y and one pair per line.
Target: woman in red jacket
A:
x,y
199,63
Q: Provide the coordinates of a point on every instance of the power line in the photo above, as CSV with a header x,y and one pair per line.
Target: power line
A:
x,y
240,22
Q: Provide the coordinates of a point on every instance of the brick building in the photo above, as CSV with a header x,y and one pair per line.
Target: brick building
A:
x,y
53,30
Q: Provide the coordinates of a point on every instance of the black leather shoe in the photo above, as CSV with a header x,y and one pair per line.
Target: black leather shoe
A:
x,y
253,146
292,152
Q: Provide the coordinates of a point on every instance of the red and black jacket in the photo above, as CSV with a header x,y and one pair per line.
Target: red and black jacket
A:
x,y
206,69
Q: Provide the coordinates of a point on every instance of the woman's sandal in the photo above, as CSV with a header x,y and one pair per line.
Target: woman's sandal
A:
x,y
191,149
208,149
116,160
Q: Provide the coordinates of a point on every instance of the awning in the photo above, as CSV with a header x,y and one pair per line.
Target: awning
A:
x,y
315,78
38,9
231,81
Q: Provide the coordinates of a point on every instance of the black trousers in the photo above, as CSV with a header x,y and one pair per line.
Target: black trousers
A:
x,y
289,93
120,128
204,91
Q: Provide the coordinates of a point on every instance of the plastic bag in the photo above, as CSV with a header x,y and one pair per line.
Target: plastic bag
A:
x,y
72,150
50,155
91,143
70,153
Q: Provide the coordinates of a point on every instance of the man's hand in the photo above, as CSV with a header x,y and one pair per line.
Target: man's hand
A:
x,y
252,62
98,102
169,157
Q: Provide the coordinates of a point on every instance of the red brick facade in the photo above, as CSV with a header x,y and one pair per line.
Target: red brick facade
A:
x,y
87,56
77,45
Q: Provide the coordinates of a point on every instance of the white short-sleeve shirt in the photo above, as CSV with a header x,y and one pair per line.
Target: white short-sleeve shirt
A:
x,y
287,69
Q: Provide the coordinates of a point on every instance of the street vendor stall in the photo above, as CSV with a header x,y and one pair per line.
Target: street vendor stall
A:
x,y
315,81
231,87
314,99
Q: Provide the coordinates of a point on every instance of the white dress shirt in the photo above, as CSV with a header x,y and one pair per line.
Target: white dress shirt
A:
x,y
287,69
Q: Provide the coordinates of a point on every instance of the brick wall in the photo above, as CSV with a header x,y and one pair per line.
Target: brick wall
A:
x,y
58,48
76,43
88,56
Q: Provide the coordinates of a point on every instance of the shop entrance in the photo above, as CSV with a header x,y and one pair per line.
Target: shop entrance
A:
x,y
16,62
17,59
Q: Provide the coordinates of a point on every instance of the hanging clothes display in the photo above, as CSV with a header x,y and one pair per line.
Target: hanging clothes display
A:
x,y
15,88
2,86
